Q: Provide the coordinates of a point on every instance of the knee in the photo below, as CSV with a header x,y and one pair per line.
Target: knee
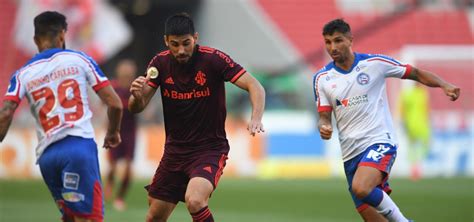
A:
x,y
194,203
361,190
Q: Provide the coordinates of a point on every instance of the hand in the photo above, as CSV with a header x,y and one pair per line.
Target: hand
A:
x,y
112,140
325,131
452,91
255,127
137,85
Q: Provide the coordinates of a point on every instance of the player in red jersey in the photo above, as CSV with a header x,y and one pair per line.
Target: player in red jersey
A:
x,y
125,74
192,89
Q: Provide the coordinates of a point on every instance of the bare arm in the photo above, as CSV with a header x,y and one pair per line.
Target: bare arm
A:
x,y
141,95
6,116
432,80
114,114
257,98
325,125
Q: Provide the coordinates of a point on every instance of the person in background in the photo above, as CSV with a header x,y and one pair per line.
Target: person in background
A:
x,y
415,116
125,74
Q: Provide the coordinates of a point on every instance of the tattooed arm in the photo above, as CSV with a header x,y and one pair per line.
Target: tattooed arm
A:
x,y
6,116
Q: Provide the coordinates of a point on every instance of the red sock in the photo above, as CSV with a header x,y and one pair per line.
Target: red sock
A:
x,y
203,215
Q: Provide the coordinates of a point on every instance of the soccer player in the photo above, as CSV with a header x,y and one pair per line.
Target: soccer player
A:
x,y
352,87
126,73
55,82
191,80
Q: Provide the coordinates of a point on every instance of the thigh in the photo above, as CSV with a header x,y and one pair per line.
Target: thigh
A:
x,y
375,166
199,189
159,209
168,185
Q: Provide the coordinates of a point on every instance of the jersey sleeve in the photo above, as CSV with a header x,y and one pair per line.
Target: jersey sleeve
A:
x,y
16,90
392,67
231,71
155,83
94,75
322,101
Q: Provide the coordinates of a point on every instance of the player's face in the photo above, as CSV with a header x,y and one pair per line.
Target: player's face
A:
x,y
181,46
338,46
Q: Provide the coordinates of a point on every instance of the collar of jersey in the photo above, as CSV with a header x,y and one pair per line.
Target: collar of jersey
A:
x,y
44,55
354,64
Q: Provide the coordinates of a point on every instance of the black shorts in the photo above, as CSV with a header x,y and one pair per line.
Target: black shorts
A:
x,y
169,184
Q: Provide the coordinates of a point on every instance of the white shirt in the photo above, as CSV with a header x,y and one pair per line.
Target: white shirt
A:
x,y
358,100
55,82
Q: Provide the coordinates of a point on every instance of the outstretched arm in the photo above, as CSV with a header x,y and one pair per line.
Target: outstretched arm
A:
x,y
257,98
6,116
325,125
432,80
114,113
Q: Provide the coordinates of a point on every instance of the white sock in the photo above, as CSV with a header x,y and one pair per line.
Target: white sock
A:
x,y
390,210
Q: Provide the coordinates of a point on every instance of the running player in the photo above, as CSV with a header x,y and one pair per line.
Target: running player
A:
x,y
125,73
353,88
191,80
55,83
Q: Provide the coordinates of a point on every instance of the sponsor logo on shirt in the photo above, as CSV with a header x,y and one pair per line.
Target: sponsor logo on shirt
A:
x,y
173,94
352,101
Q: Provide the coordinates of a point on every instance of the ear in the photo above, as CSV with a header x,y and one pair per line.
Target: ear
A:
x,y
165,38
37,42
196,37
62,37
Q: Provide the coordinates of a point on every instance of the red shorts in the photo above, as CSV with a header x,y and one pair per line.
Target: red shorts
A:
x,y
169,184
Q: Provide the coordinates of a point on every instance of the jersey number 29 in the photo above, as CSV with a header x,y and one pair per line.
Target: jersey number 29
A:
x,y
64,101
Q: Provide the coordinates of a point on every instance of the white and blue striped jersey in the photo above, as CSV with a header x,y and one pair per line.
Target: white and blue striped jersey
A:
x,y
358,100
55,83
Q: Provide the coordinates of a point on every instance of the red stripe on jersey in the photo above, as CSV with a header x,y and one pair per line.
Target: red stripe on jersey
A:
x,y
15,99
101,85
407,71
152,84
324,108
362,207
206,49
317,90
164,53
238,75
383,60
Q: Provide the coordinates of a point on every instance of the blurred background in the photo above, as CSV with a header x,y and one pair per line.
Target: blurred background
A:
x,y
280,42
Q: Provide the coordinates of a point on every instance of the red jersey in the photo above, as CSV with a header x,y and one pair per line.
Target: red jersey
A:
x,y
193,96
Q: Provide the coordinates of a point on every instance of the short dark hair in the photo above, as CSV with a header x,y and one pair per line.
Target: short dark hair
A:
x,y
336,25
179,24
49,24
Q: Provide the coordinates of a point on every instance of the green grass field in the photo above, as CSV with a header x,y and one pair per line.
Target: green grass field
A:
x,y
249,200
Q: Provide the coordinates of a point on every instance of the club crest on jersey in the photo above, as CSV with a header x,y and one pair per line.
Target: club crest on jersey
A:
x,y
363,79
200,78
